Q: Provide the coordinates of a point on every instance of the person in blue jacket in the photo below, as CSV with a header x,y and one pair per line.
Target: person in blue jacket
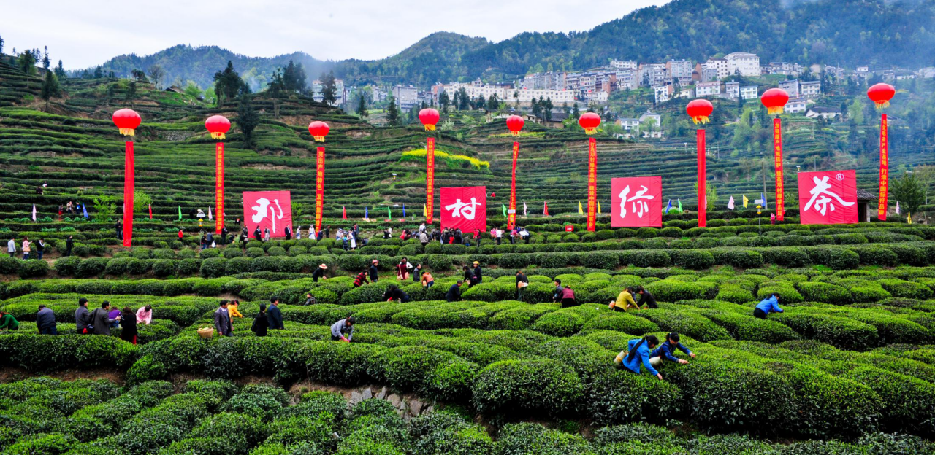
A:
x,y
767,306
664,352
638,351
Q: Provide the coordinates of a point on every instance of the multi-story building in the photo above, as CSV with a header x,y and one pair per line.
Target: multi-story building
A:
x,y
652,74
791,87
662,93
623,65
810,89
717,67
743,63
703,89
749,92
679,69
784,68
796,105
626,80
406,97
732,90
629,123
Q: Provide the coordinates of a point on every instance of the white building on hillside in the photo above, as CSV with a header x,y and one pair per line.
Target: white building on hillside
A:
x,y
743,63
796,105
749,92
406,97
623,65
791,87
810,89
732,90
717,66
703,89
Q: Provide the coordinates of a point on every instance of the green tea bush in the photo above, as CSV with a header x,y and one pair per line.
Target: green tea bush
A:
x,y
34,269
692,259
526,386
815,291
90,267
693,325
620,396
907,403
838,331
669,290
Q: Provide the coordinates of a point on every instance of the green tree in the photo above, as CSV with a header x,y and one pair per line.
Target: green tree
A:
x,y
710,195
131,92
247,119
547,108
105,207
192,89
329,88
157,74
298,209
464,101
46,63
50,88
60,71
361,106
908,192
492,103
141,202
26,61
925,175
139,75
575,113
293,78
536,109
228,85
392,112
444,100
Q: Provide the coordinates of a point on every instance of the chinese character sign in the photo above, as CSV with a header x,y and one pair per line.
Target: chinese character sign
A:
x,y
636,202
884,171
777,157
592,183
430,179
319,186
464,208
268,209
828,197
219,186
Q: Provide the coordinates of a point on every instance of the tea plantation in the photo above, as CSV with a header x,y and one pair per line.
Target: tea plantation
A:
x,y
847,368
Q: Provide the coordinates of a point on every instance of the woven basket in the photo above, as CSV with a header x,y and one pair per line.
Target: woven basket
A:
x,y
206,333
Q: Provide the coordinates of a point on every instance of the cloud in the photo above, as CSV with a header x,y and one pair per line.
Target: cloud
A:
x,y
89,32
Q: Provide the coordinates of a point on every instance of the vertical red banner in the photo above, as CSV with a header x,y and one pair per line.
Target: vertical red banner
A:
x,y
777,157
429,179
884,171
128,196
319,187
592,184
702,181
219,187
511,214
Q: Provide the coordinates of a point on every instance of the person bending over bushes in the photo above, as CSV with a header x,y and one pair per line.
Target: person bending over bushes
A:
x,y
8,322
454,292
664,352
638,351
767,306
343,330
232,309
144,315
568,297
361,279
128,322
395,293
647,300
624,301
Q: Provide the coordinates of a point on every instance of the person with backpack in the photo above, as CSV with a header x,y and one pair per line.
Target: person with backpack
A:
x,y
664,352
260,325
83,317
767,306
100,319
343,330
638,352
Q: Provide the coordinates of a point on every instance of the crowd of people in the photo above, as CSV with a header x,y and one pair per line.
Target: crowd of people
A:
x,y
28,246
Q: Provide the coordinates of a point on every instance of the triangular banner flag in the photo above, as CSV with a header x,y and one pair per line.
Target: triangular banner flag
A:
x,y
210,216
580,211
84,210
365,212
897,207
745,201
404,210
545,208
668,207
524,208
34,212
344,212
150,211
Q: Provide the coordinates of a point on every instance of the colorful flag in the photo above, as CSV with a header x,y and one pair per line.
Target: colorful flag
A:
x,y
545,208
344,211
668,207
598,207
504,209
730,203
84,210
680,205
210,216
180,213
404,210
897,207
909,218
763,198
389,213
745,201
34,212
150,211
425,211
365,212
580,211
524,208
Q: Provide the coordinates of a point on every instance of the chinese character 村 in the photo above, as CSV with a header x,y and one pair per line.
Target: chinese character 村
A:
x,y
639,201
822,199
466,209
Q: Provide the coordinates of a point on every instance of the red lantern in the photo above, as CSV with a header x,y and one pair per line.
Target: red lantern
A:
x,y
515,124
218,125
589,121
429,118
881,94
700,111
318,130
775,100
127,120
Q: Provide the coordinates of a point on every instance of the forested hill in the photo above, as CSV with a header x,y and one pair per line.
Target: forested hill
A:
x,y
837,32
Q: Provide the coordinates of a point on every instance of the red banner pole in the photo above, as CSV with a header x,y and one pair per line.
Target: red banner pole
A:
x,y
777,157
429,179
592,184
319,187
702,180
884,171
128,196
511,215
219,187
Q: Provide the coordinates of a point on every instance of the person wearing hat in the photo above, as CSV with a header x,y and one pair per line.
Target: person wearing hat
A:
x,y
320,273
478,277
374,273
343,330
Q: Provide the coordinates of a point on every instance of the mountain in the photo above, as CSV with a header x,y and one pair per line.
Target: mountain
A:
x,y
837,32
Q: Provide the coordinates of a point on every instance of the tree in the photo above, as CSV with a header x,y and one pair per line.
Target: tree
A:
x,y
141,202
575,113
463,100
329,88
131,90
46,63
361,106
925,175
228,85
50,88
276,84
444,100
547,108
98,73
60,71
192,90
247,119
27,62
908,192
536,109
492,103
293,78
157,74
105,207
710,195
392,112
139,75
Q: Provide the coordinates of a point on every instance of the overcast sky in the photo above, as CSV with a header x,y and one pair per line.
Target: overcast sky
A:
x,y
88,32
